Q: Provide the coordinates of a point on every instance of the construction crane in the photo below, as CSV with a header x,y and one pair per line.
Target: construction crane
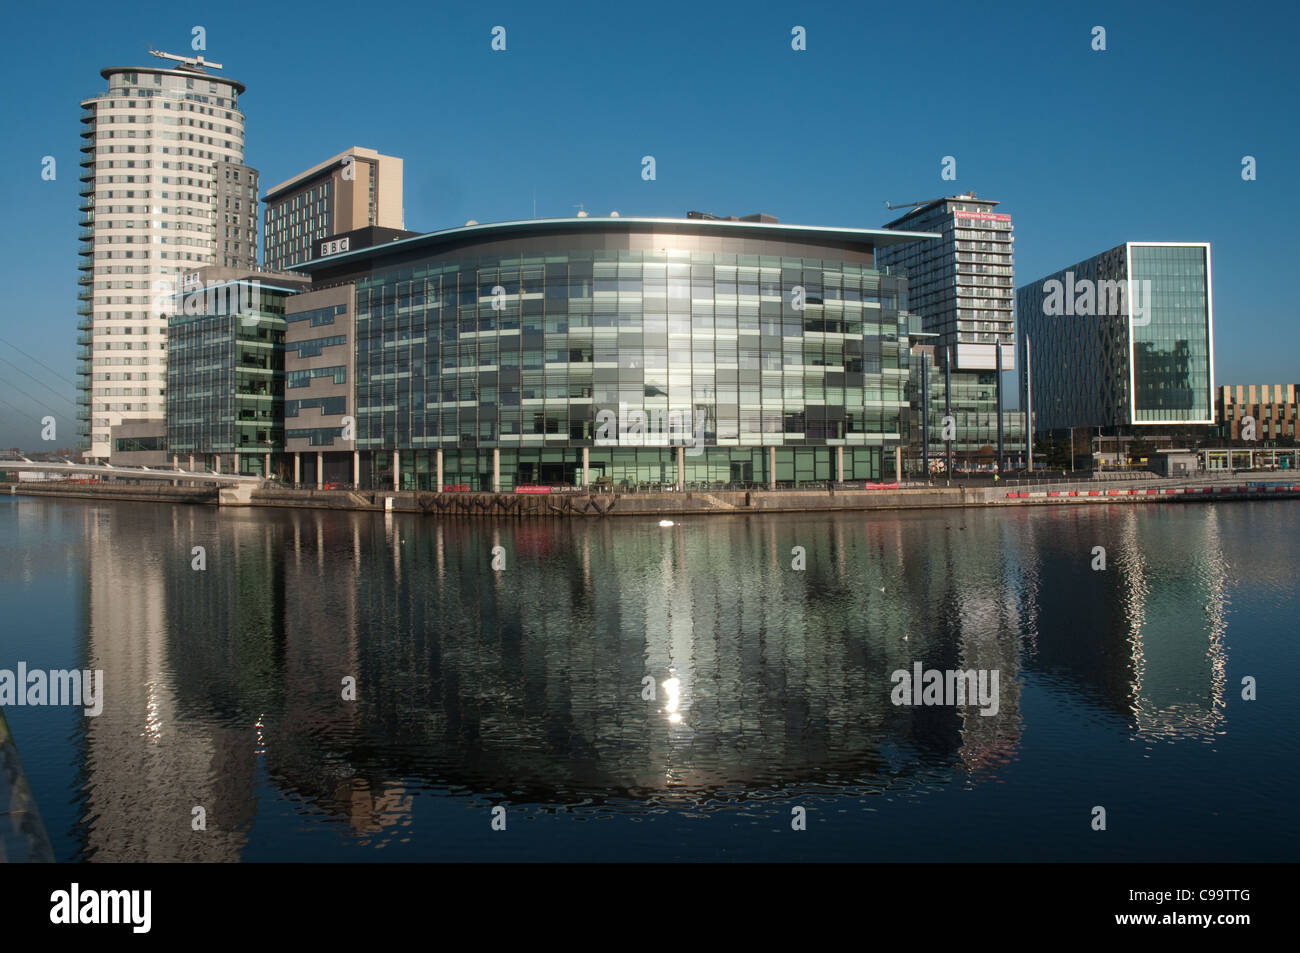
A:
x,y
193,62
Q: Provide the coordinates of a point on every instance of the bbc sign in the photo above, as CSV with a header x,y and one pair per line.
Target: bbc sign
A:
x,y
334,247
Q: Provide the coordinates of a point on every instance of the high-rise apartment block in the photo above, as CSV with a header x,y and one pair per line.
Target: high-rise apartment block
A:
x,y
356,189
236,215
155,148
961,284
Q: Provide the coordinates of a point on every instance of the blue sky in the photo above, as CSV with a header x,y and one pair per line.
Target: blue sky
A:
x,y
1084,149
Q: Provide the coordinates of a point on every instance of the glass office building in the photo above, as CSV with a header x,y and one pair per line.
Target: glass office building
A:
x,y
1124,338
225,377
970,397
626,351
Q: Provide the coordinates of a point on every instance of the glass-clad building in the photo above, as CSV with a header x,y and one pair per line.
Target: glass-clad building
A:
x,y
970,398
225,376
626,352
1125,338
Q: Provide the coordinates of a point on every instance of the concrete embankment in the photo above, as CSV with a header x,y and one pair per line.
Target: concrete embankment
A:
x,y
683,503
756,501
114,491
22,832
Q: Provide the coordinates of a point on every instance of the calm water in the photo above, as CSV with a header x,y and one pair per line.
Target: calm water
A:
x,y
523,687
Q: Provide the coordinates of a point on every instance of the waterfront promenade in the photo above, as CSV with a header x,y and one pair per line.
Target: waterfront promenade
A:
x,y
569,502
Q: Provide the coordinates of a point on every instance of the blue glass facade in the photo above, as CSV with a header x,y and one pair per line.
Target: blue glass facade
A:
x,y
225,377
1124,338
522,353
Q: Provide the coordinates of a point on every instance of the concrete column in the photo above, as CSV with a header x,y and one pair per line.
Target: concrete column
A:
x,y
397,470
898,463
234,462
176,462
191,463
297,466
320,469
771,468
356,468
586,467
437,454
839,464
216,463
681,468
496,470
266,466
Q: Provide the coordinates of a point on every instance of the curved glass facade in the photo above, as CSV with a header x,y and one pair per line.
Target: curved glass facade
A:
x,y
522,354
641,351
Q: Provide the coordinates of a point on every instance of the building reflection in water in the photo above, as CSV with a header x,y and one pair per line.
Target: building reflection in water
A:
x,y
526,684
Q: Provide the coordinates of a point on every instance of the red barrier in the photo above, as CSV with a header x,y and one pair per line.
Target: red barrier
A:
x,y
456,488
532,489
1112,492
1094,492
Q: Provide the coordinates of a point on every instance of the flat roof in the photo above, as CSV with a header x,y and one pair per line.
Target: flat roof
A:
x,y
361,152
187,73
936,203
868,236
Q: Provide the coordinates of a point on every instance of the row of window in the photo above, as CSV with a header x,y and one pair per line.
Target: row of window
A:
x,y
303,378
318,316
313,347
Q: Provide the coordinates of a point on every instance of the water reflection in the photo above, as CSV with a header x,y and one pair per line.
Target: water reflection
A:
x,y
529,684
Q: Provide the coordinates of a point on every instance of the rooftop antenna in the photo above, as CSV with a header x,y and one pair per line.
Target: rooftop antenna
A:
x,y
192,62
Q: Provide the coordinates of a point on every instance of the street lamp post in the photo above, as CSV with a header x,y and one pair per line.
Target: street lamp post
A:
x,y
925,404
947,410
997,346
